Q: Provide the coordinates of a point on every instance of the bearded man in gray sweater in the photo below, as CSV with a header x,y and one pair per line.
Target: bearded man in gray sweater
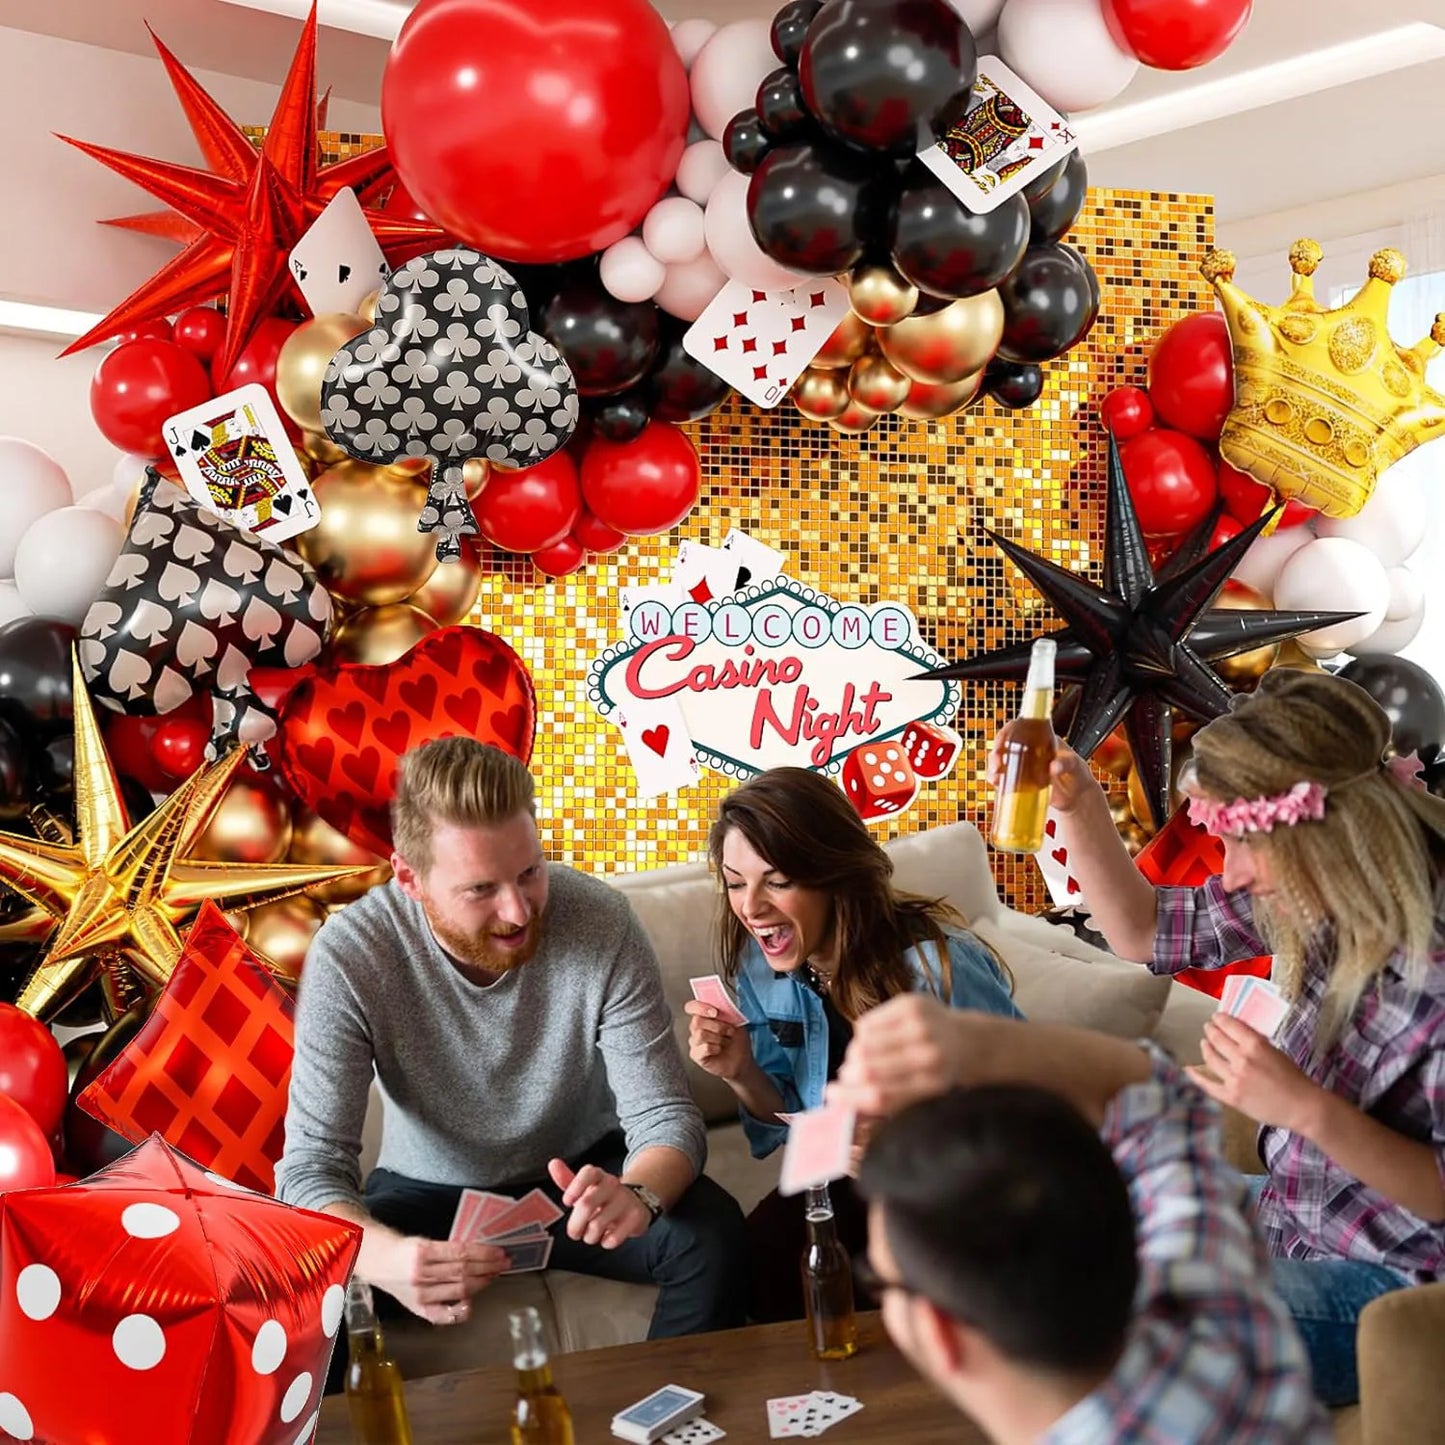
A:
x,y
513,1014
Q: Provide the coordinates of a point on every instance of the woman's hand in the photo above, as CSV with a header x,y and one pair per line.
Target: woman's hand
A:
x,y
1069,774
713,1044
1248,1073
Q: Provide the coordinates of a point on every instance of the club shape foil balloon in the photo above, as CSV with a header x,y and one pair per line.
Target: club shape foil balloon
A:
x,y
451,370
191,1309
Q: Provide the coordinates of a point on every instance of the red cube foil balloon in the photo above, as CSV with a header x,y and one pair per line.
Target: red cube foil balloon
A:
x,y
157,1304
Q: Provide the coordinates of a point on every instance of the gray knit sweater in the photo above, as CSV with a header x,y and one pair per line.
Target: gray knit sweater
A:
x,y
482,1085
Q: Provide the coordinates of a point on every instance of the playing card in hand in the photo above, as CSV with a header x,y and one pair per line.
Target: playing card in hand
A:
x,y
818,1149
760,342
1254,1001
338,263
1009,134
710,989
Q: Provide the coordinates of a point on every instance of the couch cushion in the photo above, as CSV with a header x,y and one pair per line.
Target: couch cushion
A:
x,y
949,863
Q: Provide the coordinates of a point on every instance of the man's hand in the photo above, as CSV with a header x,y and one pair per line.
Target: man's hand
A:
x,y
435,1278
1248,1073
904,1050
1069,774
604,1210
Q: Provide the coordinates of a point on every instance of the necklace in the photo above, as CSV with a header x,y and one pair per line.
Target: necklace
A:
x,y
820,983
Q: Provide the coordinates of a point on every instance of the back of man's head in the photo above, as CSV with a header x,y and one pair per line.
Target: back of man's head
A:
x,y
1002,1206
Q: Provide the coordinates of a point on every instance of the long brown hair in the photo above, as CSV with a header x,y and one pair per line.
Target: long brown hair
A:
x,y
1369,868
806,829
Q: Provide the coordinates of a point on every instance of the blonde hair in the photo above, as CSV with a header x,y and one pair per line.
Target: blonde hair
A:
x,y
458,781
1369,869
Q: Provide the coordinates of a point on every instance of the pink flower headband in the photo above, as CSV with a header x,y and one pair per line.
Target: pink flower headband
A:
x,y
1305,802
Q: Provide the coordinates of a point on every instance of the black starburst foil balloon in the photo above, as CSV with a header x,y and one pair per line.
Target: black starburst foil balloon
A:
x,y
1141,645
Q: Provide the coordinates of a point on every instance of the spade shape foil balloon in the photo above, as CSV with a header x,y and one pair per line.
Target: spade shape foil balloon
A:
x,y
451,370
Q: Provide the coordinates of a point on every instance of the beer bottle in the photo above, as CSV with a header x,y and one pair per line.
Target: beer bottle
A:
x,y
1028,745
373,1382
828,1283
540,1415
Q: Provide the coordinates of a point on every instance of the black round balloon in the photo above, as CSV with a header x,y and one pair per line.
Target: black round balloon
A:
x,y
1043,181
620,418
780,106
681,387
890,75
52,768
745,143
35,676
609,344
89,1145
1049,303
817,208
1410,697
1057,208
14,775
944,248
1013,385
790,28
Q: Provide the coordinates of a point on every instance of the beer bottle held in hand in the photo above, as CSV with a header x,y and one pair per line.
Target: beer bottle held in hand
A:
x,y
373,1383
1028,746
540,1415
828,1283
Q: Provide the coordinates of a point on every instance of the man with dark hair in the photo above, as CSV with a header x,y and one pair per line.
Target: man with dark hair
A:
x,y
1058,1243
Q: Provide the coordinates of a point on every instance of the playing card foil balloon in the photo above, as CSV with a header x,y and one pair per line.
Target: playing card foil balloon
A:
x,y
193,604
451,370
155,1302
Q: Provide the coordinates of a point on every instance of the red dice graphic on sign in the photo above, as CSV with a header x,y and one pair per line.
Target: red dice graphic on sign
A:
x,y
931,750
878,780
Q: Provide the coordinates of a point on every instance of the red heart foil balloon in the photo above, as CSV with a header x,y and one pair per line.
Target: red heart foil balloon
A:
x,y
342,731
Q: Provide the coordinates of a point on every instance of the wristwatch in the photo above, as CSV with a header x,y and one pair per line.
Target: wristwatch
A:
x,y
653,1203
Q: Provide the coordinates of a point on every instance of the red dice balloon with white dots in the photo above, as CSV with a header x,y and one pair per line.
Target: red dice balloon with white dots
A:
x,y
158,1304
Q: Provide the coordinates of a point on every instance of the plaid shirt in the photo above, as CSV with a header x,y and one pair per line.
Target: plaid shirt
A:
x,y
1211,1354
1389,1061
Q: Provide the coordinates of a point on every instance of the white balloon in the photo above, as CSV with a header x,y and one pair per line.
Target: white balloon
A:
x,y
128,471
689,37
32,483
11,605
1391,636
1407,593
63,560
688,289
1340,575
1392,523
630,272
110,500
675,231
1064,50
978,15
702,166
728,71
1260,565
730,239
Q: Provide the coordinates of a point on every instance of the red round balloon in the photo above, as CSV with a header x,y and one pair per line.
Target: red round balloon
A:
x,y
1126,412
595,535
1245,499
1191,375
138,386
179,746
25,1158
532,509
561,559
644,486
156,329
1225,528
257,362
538,133
402,204
201,330
130,740
32,1068
1176,34
1171,479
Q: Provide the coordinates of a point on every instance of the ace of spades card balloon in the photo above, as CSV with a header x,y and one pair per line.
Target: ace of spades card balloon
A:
x,y
450,370
193,604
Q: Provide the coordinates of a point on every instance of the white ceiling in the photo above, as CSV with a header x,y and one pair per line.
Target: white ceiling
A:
x,y
1319,147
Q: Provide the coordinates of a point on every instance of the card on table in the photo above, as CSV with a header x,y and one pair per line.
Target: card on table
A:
x,y
757,561
338,263
1007,137
762,341
695,1432
236,460
808,1416
818,1148
710,989
659,745
663,1412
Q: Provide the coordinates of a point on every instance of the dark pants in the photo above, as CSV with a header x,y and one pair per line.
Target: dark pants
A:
x,y
777,1237
693,1253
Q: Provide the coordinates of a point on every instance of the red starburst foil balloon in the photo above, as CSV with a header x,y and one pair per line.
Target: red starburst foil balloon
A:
x,y
249,209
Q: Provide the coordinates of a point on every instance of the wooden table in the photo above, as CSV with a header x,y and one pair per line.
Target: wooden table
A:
x,y
738,1370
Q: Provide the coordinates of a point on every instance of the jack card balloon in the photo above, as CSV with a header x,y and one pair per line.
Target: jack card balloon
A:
x,y
451,370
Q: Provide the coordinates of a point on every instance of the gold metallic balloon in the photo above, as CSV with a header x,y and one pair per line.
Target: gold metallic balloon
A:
x,y
1245,669
948,345
378,635
1134,838
322,450
876,384
821,395
854,420
476,473
850,339
280,933
251,824
314,840
366,547
302,361
880,296
1291,654
450,593
412,469
926,402
367,309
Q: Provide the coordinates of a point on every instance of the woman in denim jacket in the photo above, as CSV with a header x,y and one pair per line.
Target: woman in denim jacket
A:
x,y
814,935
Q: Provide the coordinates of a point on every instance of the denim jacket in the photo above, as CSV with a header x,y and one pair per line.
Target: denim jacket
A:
x,y
789,1034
